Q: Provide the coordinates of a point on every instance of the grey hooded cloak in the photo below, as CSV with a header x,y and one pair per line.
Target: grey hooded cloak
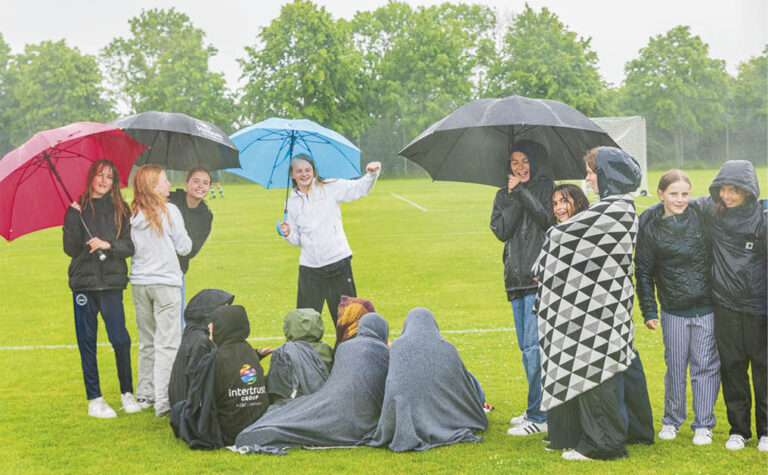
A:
x,y
344,412
430,398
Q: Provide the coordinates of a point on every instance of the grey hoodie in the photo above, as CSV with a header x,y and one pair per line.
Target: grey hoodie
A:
x,y
155,261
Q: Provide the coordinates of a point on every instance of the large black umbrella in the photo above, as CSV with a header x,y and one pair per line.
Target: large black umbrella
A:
x,y
179,142
473,143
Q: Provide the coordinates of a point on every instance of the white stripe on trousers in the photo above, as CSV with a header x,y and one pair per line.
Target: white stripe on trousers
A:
x,y
690,341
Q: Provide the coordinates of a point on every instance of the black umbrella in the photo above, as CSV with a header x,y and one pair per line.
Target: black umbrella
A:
x,y
179,142
473,143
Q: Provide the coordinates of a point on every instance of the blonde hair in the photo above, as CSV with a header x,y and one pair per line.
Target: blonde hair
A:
x,y
147,199
672,176
346,327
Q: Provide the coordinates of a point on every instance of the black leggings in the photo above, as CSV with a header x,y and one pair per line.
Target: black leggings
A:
x,y
325,284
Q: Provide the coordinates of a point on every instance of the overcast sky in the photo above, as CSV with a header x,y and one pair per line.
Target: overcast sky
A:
x,y
735,30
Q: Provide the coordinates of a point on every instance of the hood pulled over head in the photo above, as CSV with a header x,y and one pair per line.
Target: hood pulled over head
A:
x,y
617,172
303,324
535,152
230,324
200,308
738,173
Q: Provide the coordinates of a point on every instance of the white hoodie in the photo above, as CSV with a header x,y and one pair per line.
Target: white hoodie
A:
x,y
315,219
155,261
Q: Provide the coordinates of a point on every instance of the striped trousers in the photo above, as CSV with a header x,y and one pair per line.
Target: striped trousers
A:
x,y
690,342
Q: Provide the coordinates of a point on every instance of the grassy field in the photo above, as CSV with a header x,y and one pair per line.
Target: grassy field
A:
x,y
444,258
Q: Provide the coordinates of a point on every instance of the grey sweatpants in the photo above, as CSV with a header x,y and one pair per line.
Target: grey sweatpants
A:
x,y
690,342
157,319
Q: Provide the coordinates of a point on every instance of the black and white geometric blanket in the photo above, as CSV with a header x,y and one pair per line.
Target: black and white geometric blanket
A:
x,y
584,300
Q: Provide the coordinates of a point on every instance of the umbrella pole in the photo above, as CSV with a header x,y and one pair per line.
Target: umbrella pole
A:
x,y
288,186
47,158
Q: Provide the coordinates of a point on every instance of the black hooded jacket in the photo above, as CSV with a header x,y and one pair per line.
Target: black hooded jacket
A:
x,y
520,219
739,243
239,388
672,257
86,271
197,222
195,342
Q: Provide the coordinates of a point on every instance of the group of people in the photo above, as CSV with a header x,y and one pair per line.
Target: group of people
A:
x,y
568,274
568,269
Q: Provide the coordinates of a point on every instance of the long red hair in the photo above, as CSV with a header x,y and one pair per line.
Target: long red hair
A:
x,y
147,199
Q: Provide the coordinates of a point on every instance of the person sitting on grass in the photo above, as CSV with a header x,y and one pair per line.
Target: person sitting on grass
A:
x,y
344,412
195,342
430,398
300,365
228,391
351,310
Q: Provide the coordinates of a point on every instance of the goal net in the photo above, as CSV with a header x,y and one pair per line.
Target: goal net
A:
x,y
629,134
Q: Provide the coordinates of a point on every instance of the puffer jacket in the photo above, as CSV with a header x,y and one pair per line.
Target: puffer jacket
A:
x,y
520,219
672,256
739,245
86,271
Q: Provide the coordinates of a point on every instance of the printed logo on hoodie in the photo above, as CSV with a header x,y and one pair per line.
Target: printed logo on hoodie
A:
x,y
248,374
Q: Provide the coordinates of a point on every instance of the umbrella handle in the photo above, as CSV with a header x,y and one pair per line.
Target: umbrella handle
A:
x,y
277,225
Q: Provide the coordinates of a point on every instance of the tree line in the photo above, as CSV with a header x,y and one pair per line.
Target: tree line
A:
x,y
385,75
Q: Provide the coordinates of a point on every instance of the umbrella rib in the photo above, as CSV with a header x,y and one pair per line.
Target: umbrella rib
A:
x,y
570,152
464,131
275,165
314,134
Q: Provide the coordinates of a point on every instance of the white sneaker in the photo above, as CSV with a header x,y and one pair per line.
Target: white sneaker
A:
x,y
129,403
99,408
517,420
528,428
145,403
762,445
702,436
667,432
736,442
573,455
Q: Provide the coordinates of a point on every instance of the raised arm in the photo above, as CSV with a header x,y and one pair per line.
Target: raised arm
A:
x,y
351,190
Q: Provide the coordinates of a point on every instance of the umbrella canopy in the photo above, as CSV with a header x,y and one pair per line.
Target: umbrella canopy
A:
x,y
37,178
266,149
179,142
473,143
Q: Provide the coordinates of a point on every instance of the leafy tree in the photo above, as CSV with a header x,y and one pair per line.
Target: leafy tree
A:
x,y
422,64
163,65
50,85
5,51
677,87
748,111
305,66
541,58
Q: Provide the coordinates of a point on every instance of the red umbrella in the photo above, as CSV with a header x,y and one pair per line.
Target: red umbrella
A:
x,y
36,178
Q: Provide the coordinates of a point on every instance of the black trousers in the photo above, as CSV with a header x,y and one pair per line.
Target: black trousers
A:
x,y
326,284
742,340
636,407
591,423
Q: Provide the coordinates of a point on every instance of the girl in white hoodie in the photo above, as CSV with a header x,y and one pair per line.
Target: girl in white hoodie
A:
x,y
158,234
314,224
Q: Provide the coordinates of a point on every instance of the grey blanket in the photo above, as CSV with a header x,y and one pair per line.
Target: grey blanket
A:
x,y
430,399
295,369
344,412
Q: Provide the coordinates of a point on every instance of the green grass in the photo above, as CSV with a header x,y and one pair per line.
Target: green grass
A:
x,y
445,259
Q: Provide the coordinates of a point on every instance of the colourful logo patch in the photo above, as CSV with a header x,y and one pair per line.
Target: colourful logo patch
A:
x,y
248,374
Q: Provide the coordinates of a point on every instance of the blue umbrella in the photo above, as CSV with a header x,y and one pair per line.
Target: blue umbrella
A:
x,y
266,149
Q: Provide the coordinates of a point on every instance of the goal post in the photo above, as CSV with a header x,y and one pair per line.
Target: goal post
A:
x,y
629,134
